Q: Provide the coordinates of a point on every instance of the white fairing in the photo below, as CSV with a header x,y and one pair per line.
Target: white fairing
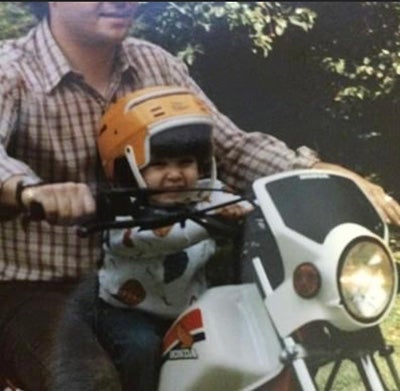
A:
x,y
224,341
288,310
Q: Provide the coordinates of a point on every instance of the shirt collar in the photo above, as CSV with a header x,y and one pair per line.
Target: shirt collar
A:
x,y
126,58
55,64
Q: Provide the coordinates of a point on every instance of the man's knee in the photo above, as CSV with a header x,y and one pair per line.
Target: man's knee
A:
x,y
96,374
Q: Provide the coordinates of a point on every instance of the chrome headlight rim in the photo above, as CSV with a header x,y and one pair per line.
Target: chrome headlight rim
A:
x,y
350,246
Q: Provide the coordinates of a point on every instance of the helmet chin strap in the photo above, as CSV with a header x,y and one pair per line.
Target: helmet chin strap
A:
x,y
210,182
213,174
130,156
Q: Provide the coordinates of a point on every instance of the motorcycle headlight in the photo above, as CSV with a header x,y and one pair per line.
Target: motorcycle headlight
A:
x,y
366,279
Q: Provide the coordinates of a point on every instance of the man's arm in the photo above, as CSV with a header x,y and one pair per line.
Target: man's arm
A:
x,y
386,205
63,203
246,156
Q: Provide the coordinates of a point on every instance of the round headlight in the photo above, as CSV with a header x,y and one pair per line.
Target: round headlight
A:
x,y
366,279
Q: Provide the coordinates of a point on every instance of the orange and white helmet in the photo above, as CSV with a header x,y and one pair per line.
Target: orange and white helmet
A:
x,y
129,124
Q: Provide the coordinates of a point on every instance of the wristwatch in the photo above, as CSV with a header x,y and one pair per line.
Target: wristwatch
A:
x,y
24,183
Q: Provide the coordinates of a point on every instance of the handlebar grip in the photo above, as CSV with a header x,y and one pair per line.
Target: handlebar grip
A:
x,y
36,211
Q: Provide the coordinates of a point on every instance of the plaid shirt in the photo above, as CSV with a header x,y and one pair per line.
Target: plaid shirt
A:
x,y
48,126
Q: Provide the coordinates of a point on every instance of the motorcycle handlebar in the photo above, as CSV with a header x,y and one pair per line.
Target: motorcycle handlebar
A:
x,y
156,217
133,203
35,212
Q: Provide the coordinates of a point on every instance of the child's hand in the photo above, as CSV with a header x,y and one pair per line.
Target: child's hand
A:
x,y
234,212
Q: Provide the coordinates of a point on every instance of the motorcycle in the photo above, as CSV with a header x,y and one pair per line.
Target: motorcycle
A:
x,y
338,284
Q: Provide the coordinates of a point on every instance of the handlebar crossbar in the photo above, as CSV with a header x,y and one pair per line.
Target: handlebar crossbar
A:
x,y
112,203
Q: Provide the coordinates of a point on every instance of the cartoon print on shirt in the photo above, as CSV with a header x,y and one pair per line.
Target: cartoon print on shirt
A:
x,y
168,263
175,265
131,293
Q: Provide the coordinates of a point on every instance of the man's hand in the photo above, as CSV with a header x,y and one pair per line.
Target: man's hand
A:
x,y
63,203
386,205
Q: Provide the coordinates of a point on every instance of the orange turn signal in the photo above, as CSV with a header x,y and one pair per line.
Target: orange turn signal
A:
x,y
306,280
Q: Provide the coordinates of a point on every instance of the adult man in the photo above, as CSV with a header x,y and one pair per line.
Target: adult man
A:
x,y
54,85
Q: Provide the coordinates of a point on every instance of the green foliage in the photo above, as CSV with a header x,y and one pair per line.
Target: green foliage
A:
x,y
15,20
185,27
373,72
371,78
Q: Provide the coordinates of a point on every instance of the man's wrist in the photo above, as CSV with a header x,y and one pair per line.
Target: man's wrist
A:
x,y
24,183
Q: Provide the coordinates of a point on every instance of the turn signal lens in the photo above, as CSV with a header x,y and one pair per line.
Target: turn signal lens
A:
x,y
306,280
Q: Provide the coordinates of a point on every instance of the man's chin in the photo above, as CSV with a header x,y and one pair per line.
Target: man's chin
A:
x,y
114,32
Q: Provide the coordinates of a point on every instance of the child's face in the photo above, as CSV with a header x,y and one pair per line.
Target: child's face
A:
x,y
171,173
